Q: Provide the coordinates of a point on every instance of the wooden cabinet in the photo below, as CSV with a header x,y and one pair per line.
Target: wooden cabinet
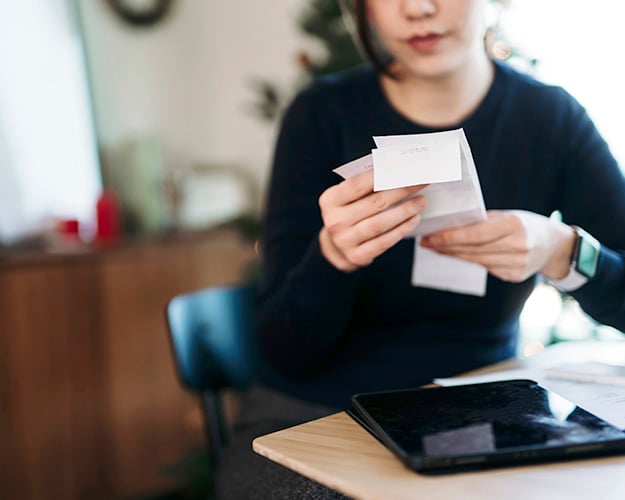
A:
x,y
90,405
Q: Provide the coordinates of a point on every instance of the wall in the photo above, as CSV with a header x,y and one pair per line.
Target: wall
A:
x,y
186,81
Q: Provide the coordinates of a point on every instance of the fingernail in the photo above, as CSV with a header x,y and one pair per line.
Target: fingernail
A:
x,y
431,240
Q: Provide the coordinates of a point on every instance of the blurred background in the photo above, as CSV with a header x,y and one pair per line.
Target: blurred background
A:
x,y
135,147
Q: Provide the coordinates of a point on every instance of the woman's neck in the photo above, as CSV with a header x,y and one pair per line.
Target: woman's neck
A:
x,y
443,101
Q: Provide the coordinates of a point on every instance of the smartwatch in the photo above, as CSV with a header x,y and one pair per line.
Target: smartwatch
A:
x,y
584,261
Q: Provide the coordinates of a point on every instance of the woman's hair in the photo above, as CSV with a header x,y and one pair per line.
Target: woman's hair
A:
x,y
366,39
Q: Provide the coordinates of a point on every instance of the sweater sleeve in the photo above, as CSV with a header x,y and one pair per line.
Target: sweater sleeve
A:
x,y
593,197
304,303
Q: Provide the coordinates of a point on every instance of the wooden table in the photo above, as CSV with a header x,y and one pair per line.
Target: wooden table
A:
x,y
338,453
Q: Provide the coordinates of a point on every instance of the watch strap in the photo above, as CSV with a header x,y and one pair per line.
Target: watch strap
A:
x,y
576,279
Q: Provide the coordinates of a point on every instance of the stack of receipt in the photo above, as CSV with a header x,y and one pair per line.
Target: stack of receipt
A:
x,y
444,161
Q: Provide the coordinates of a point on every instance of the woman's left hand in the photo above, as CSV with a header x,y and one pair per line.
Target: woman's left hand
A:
x,y
512,244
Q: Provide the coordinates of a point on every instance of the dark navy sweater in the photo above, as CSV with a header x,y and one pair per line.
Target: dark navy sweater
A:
x,y
328,334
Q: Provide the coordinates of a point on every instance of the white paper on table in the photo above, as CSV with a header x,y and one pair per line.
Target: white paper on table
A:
x,y
453,203
520,373
604,400
590,371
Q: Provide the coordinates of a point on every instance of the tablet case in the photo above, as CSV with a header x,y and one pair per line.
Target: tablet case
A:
x,y
476,426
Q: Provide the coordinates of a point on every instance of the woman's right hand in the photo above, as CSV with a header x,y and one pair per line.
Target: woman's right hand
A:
x,y
358,224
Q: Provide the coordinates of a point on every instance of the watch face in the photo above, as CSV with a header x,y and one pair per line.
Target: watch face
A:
x,y
587,257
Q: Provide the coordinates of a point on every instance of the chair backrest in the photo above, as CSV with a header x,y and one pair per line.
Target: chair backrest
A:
x,y
214,347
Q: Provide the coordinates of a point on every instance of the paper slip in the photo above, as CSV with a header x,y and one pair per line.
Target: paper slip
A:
x,y
604,400
442,272
594,371
410,164
453,201
355,167
407,166
450,204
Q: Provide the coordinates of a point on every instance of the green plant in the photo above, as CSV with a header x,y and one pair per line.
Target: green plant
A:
x,y
322,21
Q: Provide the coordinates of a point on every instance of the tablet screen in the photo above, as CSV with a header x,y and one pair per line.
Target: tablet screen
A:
x,y
482,419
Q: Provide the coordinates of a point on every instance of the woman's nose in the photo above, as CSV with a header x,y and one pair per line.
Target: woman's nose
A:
x,y
417,9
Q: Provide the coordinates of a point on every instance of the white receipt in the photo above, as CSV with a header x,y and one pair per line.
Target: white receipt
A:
x,y
454,196
450,204
604,400
442,272
410,163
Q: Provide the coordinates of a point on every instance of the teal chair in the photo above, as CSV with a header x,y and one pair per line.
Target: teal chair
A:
x,y
214,347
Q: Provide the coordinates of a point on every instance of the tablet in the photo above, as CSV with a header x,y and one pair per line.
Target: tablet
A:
x,y
447,429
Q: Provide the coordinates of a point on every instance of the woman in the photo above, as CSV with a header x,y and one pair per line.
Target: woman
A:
x,y
337,311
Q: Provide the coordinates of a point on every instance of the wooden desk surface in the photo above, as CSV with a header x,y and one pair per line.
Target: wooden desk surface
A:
x,y
337,452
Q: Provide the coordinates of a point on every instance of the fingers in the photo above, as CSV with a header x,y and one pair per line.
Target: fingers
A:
x,y
507,244
360,224
499,233
503,244
332,253
348,191
358,199
503,260
364,254
348,257
380,201
378,224
507,266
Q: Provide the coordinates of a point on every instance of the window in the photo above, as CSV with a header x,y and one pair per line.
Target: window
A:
x,y
48,159
578,45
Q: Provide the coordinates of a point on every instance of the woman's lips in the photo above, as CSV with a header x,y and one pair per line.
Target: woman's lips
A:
x,y
425,43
